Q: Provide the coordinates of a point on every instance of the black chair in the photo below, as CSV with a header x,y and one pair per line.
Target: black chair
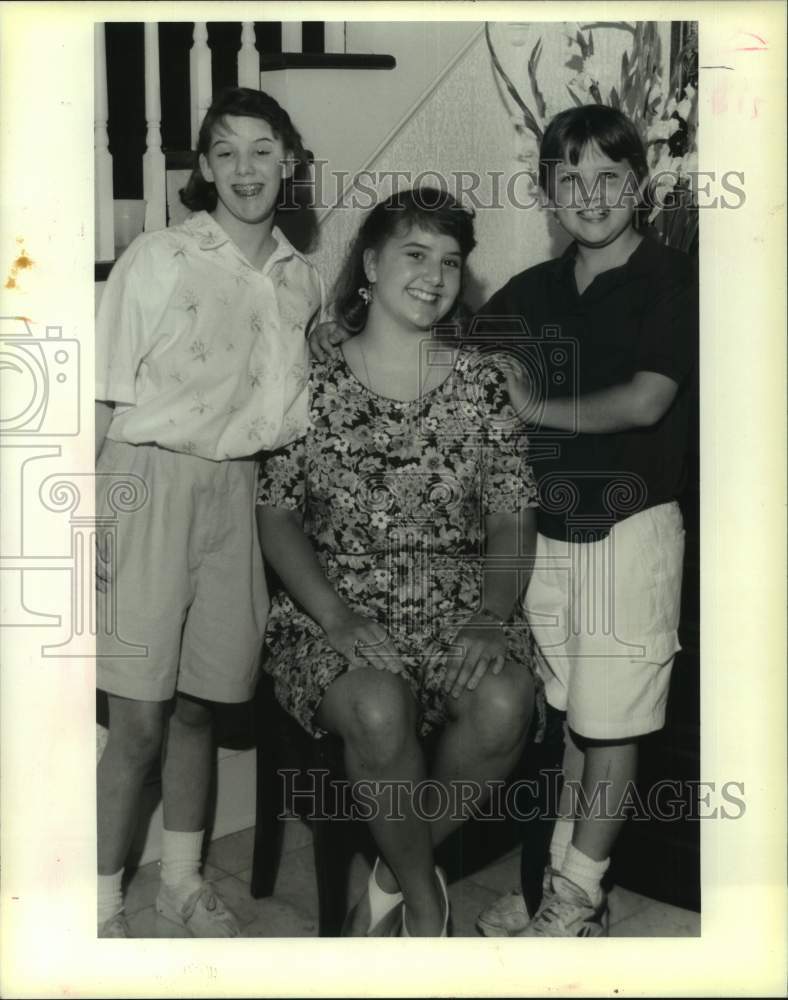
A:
x,y
299,775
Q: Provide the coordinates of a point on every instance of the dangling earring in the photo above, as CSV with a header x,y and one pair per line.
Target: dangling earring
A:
x,y
366,294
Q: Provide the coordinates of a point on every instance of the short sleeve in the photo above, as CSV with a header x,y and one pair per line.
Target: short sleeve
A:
x,y
282,477
326,308
317,291
668,341
508,483
508,315
133,303
498,311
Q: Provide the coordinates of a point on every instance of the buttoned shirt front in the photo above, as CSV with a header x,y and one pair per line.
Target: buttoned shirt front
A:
x,y
201,352
641,316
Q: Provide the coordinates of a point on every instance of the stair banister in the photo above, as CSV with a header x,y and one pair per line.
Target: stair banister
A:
x,y
291,36
153,165
104,225
199,77
248,58
334,37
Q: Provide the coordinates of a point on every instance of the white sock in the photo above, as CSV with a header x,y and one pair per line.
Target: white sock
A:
x,y
109,896
180,860
585,872
561,839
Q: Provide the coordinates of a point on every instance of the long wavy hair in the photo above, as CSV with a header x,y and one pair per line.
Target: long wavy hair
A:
x,y
428,208
199,194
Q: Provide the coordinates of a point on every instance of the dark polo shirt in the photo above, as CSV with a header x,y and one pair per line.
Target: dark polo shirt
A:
x,y
642,316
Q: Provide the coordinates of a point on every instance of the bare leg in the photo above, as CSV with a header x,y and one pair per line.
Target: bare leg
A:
x,y
482,742
134,743
615,764
375,715
484,738
574,761
186,770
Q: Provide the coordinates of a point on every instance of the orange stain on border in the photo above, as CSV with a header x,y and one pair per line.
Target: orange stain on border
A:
x,y
22,263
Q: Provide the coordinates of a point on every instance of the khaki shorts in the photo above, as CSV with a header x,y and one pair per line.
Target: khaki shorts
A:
x,y
187,606
605,617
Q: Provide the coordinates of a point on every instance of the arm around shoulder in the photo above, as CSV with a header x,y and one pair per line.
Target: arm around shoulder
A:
x,y
653,395
641,402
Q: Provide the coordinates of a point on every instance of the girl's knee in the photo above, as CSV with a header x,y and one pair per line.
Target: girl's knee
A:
x,y
380,717
501,707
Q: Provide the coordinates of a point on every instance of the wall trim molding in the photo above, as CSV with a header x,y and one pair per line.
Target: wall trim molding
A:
x,y
270,61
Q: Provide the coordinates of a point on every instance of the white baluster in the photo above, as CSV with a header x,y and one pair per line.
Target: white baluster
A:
x,y
291,36
248,58
153,164
199,77
334,38
104,222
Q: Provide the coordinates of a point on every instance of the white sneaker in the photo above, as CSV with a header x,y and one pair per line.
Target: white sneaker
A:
x,y
509,916
505,917
567,911
203,914
115,927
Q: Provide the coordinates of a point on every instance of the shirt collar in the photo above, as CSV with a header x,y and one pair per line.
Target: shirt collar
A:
x,y
640,261
206,229
284,248
210,236
565,266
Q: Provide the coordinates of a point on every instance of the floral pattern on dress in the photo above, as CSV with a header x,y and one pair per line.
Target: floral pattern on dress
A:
x,y
394,496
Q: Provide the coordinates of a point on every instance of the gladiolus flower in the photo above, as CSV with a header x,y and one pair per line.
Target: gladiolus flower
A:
x,y
662,130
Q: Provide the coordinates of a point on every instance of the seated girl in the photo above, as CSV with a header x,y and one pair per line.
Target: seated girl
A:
x,y
402,528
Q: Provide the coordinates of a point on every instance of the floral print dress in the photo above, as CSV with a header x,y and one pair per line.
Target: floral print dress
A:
x,y
394,495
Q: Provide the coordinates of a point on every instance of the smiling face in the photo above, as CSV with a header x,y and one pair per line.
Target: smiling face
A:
x,y
416,276
245,163
595,199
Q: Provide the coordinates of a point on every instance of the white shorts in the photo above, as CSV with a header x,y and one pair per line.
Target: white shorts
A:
x,y
188,603
605,618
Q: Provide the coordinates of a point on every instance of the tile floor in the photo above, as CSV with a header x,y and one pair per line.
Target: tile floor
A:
x,y
292,910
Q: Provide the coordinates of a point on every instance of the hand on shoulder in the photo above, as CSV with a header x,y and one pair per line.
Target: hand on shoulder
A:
x,y
520,387
325,340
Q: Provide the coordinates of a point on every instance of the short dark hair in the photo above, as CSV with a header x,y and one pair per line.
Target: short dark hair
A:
x,y
429,208
572,131
199,194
